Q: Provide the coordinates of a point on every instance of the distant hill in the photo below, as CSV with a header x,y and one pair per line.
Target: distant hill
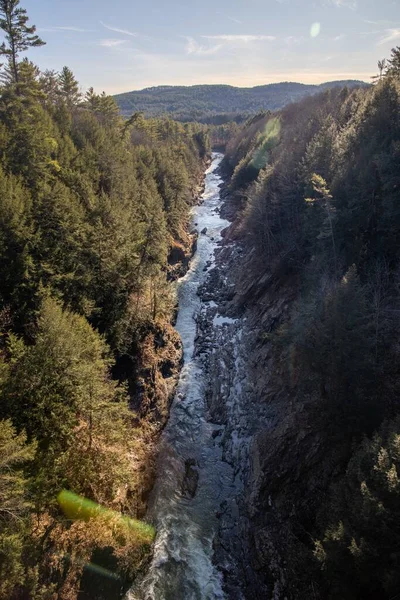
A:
x,y
209,102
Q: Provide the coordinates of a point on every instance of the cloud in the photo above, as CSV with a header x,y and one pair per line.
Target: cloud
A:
x,y
293,39
193,47
391,36
381,22
111,43
240,38
235,20
217,42
117,30
340,37
351,4
57,28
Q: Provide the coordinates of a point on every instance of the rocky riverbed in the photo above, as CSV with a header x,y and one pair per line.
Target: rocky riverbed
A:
x,y
210,499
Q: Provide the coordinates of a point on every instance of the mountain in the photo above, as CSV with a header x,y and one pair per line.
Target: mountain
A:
x,y
208,102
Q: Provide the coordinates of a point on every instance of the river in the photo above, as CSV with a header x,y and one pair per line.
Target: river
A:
x,y
192,478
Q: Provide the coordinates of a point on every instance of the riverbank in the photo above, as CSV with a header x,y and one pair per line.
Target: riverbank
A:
x,y
192,478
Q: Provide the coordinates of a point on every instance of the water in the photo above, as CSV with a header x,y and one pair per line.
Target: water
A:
x,y
182,567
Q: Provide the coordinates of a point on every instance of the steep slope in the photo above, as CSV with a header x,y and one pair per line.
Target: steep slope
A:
x,y
94,215
313,194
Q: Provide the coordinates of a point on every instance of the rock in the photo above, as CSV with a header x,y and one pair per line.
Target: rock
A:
x,y
191,478
177,254
204,231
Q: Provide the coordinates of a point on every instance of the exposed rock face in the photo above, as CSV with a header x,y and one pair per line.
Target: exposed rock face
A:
x,y
159,365
191,478
180,255
274,441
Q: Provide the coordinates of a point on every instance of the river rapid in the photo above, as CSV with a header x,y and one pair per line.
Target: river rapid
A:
x,y
193,479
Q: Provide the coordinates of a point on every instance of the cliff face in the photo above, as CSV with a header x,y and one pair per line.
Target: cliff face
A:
x,y
275,442
152,366
307,386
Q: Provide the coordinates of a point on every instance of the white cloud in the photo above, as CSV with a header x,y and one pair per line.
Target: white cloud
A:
x,y
240,38
111,43
193,47
57,28
217,42
391,36
235,20
292,39
382,22
352,4
340,37
118,30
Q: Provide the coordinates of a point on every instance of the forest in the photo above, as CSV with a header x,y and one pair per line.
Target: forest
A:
x,y
94,227
316,187
93,223
216,104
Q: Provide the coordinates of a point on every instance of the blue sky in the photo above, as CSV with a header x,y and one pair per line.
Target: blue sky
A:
x,y
122,45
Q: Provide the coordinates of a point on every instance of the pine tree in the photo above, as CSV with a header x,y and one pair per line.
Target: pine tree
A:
x,y
381,68
324,198
19,36
69,87
393,64
14,506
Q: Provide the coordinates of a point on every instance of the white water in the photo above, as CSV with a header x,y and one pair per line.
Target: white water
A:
x,y
182,567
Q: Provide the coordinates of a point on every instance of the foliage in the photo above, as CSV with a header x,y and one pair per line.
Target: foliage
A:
x,y
19,35
321,218
363,534
90,208
213,104
14,505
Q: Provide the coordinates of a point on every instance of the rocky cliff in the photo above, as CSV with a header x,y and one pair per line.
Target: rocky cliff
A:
x,y
274,441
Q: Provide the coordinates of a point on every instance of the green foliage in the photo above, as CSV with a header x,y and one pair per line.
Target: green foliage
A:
x,y
90,208
359,552
322,219
68,87
216,104
19,35
257,156
331,339
14,506
60,392
16,237
393,64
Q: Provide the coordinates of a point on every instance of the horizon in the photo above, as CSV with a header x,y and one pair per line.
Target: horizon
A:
x,y
243,87
259,42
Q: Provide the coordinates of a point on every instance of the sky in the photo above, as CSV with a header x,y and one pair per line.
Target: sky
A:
x,y
123,45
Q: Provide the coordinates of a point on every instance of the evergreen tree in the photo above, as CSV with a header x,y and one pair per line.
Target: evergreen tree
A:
x,y
359,552
14,507
19,35
68,87
393,64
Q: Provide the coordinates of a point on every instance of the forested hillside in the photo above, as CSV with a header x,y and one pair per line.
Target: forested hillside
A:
x,y
218,103
317,192
93,223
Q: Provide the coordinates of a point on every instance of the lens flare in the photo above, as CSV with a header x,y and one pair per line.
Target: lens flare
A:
x,y
315,29
77,507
